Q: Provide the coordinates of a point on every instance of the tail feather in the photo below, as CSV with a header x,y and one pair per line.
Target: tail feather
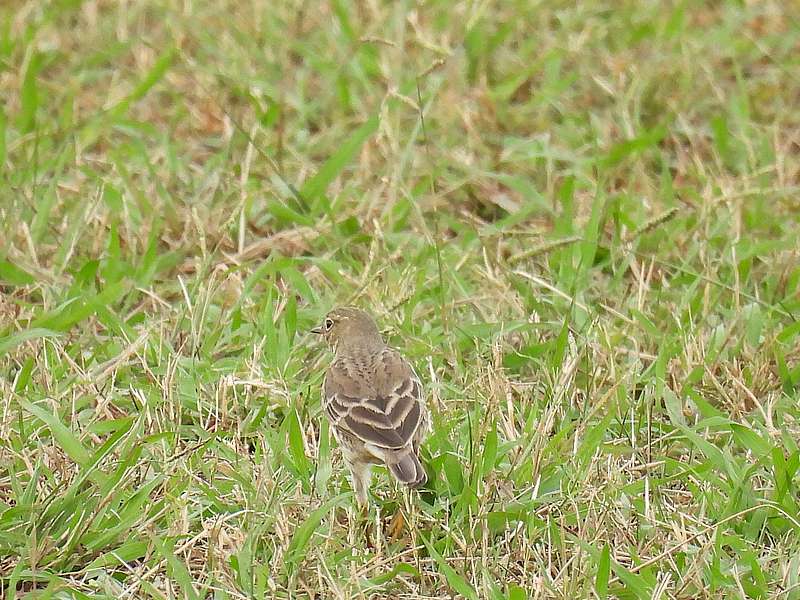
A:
x,y
408,470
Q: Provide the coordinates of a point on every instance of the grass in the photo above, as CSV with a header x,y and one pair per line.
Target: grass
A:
x,y
580,223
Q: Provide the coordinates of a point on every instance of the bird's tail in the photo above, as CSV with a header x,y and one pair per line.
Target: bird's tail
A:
x,y
405,466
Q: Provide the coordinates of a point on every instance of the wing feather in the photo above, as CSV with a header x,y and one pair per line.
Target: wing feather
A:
x,y
388,420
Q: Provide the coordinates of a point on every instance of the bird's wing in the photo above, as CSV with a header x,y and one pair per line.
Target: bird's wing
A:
x,y
387,413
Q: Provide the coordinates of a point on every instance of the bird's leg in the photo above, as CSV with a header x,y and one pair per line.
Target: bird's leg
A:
x,y
361,474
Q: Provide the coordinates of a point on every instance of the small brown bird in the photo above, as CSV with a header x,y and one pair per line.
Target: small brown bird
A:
x,y
373,399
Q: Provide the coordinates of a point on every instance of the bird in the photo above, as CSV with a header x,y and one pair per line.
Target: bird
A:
x,y
374,401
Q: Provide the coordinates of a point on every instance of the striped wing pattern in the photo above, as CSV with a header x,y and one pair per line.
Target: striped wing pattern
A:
x,y
388,420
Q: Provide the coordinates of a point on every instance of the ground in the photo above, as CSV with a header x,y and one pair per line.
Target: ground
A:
x,y
579,221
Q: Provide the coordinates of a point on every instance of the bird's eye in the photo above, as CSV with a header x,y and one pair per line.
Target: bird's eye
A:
x,y
328,324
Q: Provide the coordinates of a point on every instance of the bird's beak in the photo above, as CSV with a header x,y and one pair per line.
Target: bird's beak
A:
x,y
317,330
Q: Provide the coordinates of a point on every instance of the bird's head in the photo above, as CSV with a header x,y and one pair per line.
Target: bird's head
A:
x,y
346,328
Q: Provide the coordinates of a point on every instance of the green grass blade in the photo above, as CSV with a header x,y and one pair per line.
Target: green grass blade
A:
x,y
10,342
603,570
339,160
298,546
454,580
67,440
29,94
175,567
11,273
153,76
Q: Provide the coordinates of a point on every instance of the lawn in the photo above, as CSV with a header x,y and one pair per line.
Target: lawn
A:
x,y
579,222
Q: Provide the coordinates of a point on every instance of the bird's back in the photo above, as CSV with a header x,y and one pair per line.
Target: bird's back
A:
x,y
375,396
